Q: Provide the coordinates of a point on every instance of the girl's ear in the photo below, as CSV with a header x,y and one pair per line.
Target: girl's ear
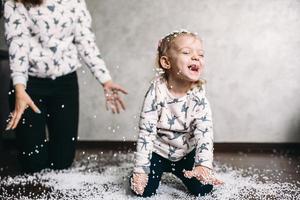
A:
x,y
165,63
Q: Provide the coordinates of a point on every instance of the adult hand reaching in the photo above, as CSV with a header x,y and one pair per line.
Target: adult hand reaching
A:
x,y
113,101
23,101
204,175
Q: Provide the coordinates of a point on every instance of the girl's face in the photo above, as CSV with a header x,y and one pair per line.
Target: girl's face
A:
x,y
185,58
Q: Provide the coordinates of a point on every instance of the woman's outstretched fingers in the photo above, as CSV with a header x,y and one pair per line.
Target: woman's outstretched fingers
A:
x,y
109,101
18,112
120,102
16,121
118,106
112,90
112,107
34,107
23,101
116,102
11,120
120,89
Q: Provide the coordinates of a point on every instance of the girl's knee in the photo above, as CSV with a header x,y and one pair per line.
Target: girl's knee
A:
x,y
59,165
147,193
202,190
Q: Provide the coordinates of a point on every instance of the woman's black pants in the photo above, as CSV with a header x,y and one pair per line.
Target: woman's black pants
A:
x,y
159,165
48,140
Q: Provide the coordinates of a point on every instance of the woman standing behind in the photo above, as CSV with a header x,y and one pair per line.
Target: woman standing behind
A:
x,y
44,39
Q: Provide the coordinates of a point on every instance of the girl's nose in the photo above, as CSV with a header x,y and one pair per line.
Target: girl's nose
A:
x,y
195,57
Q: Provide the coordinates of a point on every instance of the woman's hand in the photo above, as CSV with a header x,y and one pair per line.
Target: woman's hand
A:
x,y
204,175
113,101
23,101
139,182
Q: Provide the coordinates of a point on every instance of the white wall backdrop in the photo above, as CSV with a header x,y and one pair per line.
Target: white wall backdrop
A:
x,y
252,64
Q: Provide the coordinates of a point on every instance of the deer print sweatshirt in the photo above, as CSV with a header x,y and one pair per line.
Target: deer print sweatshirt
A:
x,y
44,41
172,127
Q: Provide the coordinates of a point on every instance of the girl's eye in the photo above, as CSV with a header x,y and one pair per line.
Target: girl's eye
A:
x,y
185,52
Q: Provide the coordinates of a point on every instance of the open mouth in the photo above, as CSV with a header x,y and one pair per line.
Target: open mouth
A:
x,y
194,68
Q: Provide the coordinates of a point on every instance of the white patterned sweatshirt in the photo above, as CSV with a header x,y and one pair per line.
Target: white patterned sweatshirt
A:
x,y
172,127
44,41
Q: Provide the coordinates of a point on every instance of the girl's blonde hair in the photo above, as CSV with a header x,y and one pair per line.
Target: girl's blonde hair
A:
x,y
165,44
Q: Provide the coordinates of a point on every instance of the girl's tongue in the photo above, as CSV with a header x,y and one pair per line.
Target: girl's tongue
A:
x,y
193,68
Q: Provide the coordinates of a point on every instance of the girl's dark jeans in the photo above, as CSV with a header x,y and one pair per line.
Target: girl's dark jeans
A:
x,y
159,165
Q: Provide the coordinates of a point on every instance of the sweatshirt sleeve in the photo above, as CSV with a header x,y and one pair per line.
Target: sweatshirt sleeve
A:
x,y
204,134
86,44
147,132
17,36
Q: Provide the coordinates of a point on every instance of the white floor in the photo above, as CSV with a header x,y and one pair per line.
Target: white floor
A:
x,y
90,178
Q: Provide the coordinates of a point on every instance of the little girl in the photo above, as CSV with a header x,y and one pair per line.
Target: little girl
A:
x,y
175,128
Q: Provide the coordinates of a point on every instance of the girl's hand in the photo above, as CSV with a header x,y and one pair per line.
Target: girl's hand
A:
x,y
204,175
23,101
139,182
113,100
